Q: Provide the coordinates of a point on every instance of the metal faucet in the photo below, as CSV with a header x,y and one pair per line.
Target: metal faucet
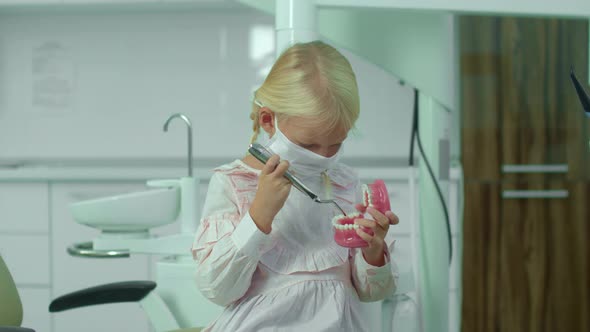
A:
x,y
190,138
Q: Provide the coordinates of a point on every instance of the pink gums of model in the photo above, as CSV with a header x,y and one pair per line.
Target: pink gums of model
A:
x,y
375,195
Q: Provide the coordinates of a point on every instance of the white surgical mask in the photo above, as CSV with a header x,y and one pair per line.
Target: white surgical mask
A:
x,y
303,162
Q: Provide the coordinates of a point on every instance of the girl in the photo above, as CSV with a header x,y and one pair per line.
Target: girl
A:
x,y
267,252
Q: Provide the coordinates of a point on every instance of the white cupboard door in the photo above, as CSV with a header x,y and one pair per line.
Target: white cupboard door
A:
x,y
36,314
27,257
29,2
24,208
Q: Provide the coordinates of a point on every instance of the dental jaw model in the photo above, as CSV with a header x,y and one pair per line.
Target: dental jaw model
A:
x,y
374,195
345,231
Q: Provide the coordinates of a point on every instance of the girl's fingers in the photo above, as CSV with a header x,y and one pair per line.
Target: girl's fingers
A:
x,y
366,223
281,168
370,228
363,235
380,218
393,218
361,208
270,165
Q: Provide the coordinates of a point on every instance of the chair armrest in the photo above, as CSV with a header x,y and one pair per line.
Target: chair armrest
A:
x,y
14,329
126,291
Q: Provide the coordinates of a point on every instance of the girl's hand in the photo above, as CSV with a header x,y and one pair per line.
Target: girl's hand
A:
x,y
273,190
374,253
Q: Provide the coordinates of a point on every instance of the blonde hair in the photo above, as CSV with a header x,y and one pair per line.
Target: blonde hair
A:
x,y
310,80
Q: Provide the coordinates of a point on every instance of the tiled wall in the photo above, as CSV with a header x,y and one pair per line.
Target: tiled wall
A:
x,y
83,84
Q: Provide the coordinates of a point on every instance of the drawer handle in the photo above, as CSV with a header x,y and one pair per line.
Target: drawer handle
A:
x,y
535,168
517,194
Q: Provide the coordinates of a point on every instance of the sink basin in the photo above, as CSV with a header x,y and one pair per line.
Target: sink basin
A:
x,y
131,212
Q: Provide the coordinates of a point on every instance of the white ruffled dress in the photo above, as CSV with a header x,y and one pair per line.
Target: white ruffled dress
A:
x,y
294,279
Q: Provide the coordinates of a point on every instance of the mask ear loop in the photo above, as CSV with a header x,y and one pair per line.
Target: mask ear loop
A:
x,y
259,104
327,184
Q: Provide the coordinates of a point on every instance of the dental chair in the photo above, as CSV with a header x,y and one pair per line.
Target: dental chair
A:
x,y
11,310
118,292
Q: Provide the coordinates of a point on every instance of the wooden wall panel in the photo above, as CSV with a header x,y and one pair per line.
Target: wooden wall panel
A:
x,y
517,102
544,266
480,279
542,122
525,261
480,86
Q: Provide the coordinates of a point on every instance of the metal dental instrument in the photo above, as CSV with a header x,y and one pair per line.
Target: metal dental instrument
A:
x,y
262,154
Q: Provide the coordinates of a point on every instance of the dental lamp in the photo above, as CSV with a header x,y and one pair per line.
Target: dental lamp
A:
x,y
584,98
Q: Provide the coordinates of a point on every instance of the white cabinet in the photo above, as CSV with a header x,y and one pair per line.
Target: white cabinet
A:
x,y
74,273
24,208
99,2
35,302
29,2
93,2
27,257
24,246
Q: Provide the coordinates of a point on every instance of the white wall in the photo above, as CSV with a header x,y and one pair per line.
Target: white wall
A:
x,y
114,78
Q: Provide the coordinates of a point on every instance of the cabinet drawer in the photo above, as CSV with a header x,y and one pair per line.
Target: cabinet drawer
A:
x,y
24,207
35,302
27,257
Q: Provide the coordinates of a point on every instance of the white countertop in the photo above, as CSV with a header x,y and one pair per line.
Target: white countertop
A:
x,y
141,170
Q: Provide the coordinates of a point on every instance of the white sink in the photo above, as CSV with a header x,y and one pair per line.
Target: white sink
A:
x,y
132,212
